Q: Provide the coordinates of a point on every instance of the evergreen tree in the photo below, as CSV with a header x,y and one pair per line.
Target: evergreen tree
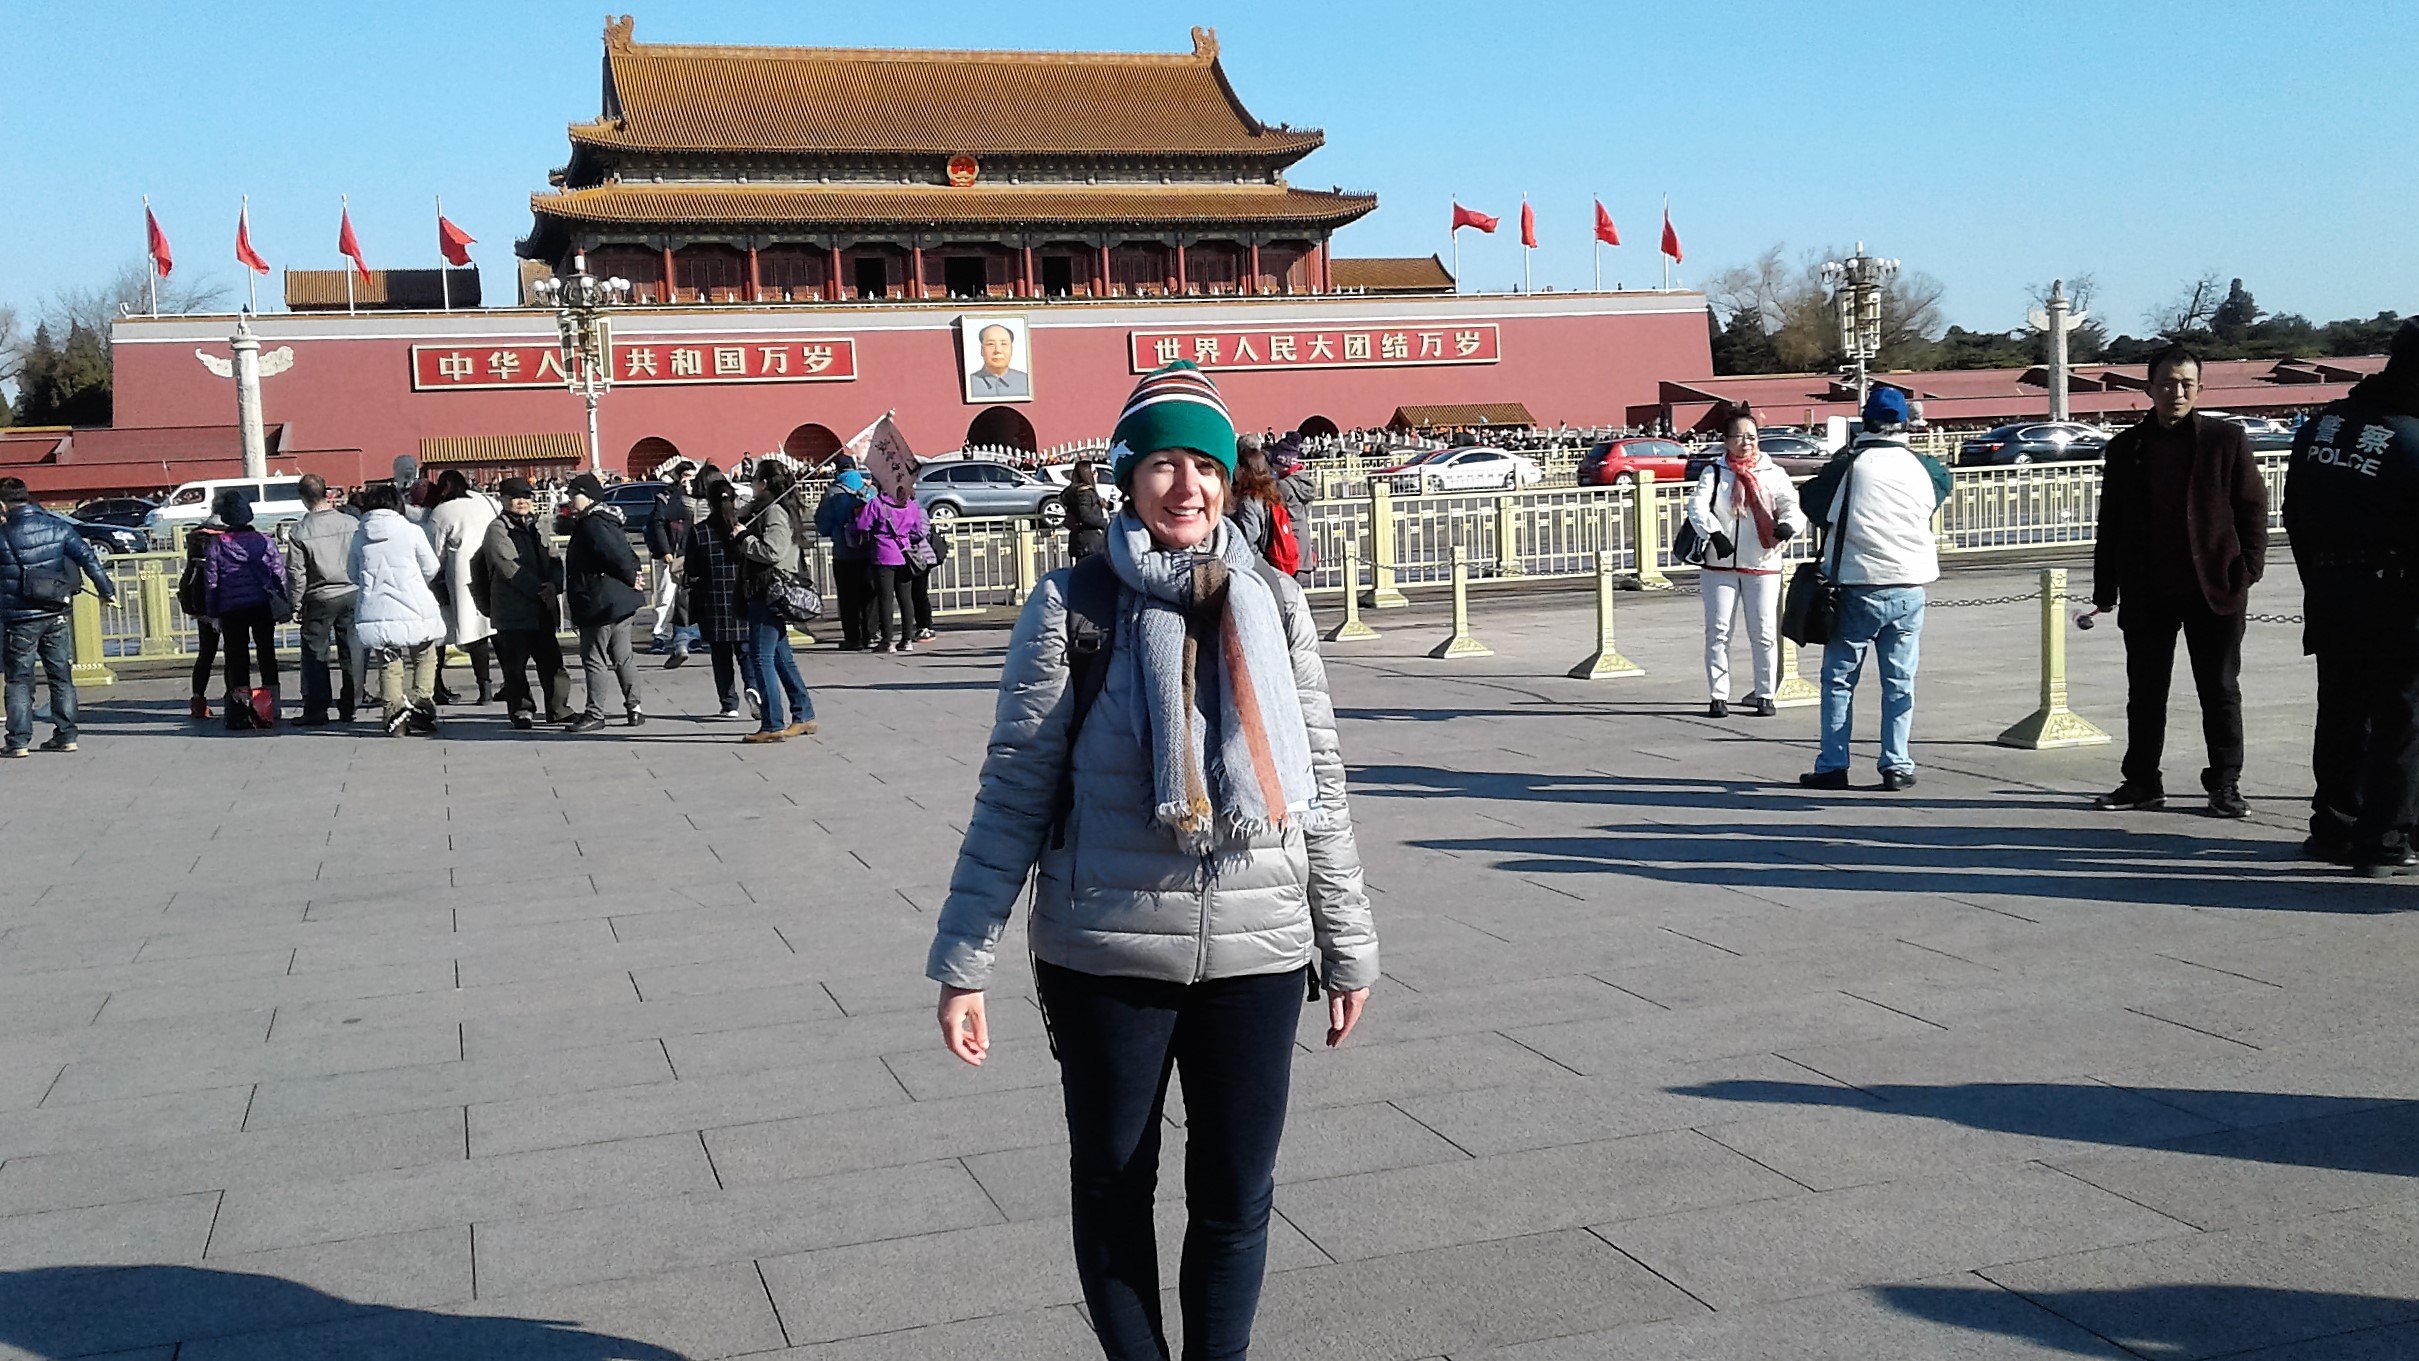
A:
x,y
84,379
37,394
2235,317
1743,346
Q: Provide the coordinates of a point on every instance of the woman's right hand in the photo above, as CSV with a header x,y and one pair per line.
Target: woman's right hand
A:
x,y
963,1030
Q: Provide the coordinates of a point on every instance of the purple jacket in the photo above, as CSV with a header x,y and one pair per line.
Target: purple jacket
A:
x,y
243,569
889,529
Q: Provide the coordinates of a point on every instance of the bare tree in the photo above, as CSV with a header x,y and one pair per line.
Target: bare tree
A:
x,y
1793,304
2191,309
127,292
2081,289
12,346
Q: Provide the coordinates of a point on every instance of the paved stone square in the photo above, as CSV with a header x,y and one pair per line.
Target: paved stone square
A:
x,y
320,1044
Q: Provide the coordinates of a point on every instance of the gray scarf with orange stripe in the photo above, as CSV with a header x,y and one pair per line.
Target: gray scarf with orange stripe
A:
x,y
1220,714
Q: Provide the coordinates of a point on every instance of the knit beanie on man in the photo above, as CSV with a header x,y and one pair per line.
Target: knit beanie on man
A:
x,y
1176,407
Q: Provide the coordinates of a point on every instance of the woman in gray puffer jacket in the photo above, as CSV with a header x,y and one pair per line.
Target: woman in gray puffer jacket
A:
x,y
1196,871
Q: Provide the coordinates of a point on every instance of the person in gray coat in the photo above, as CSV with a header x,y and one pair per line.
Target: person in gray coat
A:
x,y
1197,872
318,554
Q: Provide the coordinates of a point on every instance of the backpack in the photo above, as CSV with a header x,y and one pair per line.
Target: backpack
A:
x,y
1091,632
1284,550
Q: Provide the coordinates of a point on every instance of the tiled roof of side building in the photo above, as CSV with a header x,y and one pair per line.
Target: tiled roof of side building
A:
x,y
808,204
1406,274
669,97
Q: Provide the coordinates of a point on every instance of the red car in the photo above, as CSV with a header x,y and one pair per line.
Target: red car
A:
x,y
1618,462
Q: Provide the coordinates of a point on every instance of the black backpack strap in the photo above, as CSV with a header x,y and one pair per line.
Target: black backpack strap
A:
x,y
1091,630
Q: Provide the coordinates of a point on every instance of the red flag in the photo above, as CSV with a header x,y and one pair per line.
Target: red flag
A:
x,y
244,254
1605,231
349,244
1528,225
161,260
1671,239
1466,217
452,242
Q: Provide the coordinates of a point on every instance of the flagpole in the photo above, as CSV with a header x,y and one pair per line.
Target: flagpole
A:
x,y
1667,254
1596,248
151,275
445,277
251,275
1454,232
344,205
1526,250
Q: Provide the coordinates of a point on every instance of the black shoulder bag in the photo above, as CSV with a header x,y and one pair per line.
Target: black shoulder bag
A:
x,y
1811,607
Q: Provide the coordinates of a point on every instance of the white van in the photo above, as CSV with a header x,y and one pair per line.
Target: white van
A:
x,y
276,500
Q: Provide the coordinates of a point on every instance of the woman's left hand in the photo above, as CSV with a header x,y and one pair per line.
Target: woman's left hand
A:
x,y
1343,1013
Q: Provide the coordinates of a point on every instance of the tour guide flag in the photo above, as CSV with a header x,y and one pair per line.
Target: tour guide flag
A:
x,y
161,260
244,254
1465,217
883,453
1605,231
349,244
452,242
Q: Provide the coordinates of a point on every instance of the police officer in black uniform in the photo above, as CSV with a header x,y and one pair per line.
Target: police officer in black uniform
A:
x,y
2352,511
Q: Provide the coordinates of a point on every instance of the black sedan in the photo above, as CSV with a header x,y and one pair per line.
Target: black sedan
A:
x,y
2034,442
116,510
112,538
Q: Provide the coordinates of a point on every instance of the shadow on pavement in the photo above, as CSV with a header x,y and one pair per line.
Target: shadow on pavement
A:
x,y
2340,1133
2174,1320
53,1312
1824,845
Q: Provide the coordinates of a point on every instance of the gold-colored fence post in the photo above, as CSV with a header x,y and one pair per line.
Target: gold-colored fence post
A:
x,y
1383,594
2053,724
1507,535
1027,543
1608,661
1461,644
152,593
1352,630
1650,537
90,669
1794,691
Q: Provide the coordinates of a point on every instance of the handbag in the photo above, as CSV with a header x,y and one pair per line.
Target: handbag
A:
x,y
1687,545
792,598
922,557
1810,609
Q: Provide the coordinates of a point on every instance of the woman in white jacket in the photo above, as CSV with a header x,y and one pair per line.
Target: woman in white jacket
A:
x,y
457,528
396,620
1746,508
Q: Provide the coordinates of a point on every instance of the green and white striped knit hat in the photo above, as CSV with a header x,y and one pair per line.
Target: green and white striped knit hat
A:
x,y
1176,407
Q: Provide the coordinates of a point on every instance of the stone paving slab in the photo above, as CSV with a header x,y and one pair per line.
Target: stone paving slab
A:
x,y
529,1045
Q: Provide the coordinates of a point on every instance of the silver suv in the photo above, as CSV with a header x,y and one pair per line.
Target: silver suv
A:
x,y
979,487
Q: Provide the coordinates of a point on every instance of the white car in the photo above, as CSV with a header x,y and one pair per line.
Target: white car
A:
x,y
1475,469
1063,475
275,501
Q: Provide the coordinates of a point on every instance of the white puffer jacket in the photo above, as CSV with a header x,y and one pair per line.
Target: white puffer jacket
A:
x,y
1120,897
457,529
391,567
1712,507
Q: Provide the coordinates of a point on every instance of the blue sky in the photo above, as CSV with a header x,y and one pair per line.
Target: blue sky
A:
x,y
1992,146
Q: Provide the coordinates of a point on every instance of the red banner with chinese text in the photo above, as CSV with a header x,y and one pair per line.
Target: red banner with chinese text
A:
x,y
1320,347
746,359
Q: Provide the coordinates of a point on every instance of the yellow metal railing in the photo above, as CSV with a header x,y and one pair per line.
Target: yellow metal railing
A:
x,y
1399,543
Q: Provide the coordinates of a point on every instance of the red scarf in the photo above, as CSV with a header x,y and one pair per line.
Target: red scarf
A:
x,y
1747,495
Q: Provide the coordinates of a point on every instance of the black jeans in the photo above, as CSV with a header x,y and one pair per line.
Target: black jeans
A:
x,y
516,649
852,581
921,591
730,662
205,655
249,632
2215,644
1232,1041
2365,751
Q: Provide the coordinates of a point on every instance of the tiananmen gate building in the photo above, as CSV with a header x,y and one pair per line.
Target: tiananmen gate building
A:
x,y
991,244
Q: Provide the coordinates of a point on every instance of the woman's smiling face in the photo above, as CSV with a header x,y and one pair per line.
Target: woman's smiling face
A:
x,y
1179,496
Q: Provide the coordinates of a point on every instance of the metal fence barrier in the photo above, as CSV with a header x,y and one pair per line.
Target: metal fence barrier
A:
x,y
1376,546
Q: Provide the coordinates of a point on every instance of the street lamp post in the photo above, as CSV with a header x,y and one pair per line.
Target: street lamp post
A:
x,y
580,303
1856,285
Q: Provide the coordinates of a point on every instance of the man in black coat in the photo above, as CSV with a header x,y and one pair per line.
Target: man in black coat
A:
x,y
601,588
517,582
43,563
2183,537
2352,509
